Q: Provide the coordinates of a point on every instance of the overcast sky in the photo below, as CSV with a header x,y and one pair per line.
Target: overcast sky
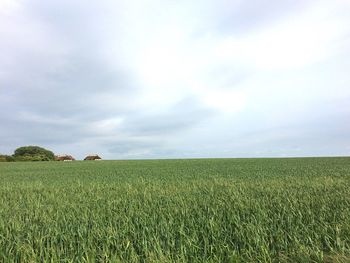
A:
x,y
176,79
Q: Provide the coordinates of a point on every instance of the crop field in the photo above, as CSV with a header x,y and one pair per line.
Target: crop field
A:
x,y
200,210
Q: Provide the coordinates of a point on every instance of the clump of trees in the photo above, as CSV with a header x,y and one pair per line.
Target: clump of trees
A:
x,y
6,158
29,153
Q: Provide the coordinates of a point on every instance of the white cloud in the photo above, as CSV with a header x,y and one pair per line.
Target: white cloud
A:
x,y
225,101
295,41
125,68
8,6
106,126
172,62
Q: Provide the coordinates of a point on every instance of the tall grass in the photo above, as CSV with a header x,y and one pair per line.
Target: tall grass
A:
x,y
209,210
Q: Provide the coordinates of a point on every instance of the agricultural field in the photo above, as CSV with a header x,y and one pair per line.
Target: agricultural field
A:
x,y
200,210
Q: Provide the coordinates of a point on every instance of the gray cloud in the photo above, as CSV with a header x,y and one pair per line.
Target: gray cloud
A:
x,y
183,115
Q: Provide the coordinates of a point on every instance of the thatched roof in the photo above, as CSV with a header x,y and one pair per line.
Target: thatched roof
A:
x,y
65,157
92,157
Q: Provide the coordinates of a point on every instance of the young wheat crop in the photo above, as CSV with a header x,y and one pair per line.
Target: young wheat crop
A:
x,y
207,210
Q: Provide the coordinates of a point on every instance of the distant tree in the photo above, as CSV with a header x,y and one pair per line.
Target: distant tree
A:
x,y
33,153
6,158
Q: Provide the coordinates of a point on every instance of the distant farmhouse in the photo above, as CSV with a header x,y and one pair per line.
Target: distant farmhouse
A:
x,y
92,158
64,157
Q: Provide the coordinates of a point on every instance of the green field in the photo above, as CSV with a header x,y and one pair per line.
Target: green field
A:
x,y
205,210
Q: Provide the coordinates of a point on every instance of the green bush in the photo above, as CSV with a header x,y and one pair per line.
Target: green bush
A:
x,y
6,158
32,158
33,153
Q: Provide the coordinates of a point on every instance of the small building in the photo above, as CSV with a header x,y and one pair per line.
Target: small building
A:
x,y
92,158
64,157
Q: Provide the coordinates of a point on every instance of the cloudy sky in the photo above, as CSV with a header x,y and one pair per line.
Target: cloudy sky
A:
x,y
176,79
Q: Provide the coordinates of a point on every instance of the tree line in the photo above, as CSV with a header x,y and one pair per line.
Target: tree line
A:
x,y
30,154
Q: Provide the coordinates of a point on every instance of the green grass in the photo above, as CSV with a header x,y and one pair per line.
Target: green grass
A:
x,y
208,210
